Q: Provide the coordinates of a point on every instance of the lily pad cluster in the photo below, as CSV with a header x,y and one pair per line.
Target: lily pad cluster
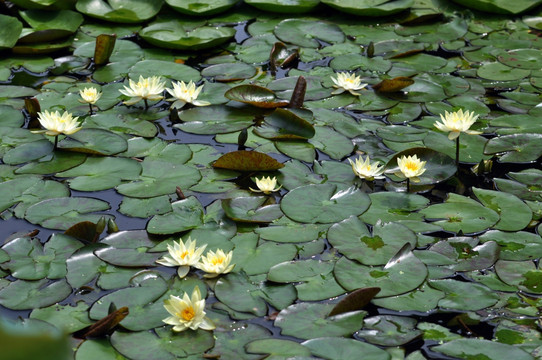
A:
x,y
327,265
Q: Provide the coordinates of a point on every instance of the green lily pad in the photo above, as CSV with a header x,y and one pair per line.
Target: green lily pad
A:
x,y
255,95
162,345
29,260
352,238
370,7
83,266
27,152
389,330
251,209
336,348
214,119
464,295
11,29
160,178
332,143
394,206
323,204
201,8
62,213
522,274
284,125
94,141
289,7
47,26
520,245
129,11
101,173
423,299
229,344
309,321
128,248
500,6
521,58
277,348
291,232
180,35
257,257
515,214
517,148
460,213
306,32
65,317
231,72
241,293
482,349
185,214
404,272
501,72
471,147
57,162
96,347
514,124
461,254
27,295
317,277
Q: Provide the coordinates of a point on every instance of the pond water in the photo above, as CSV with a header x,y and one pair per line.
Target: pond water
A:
x,y
454,256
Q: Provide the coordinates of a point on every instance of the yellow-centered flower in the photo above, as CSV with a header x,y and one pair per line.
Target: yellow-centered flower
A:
x,y
150,88
56,124
90,95
411,167
266,185
185,93
347,82
217,263
182,255
456,123
365,170
187,312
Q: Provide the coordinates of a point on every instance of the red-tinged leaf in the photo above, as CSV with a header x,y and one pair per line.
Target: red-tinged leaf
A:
x,y
106,325
393,85
356,300
247,161
298,96
104,48
85,230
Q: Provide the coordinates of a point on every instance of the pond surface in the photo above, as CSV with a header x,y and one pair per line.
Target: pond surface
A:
x,y
331,265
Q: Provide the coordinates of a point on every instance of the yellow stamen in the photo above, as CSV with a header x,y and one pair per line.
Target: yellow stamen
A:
x,y
188,313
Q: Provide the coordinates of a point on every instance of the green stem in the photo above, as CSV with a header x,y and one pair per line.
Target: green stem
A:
x,y
457,152
90,106
56,142
407,185
146,104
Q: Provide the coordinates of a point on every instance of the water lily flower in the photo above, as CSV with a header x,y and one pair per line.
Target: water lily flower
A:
x,y
411,167
347,82
365,170
150,88
182,255
185,93
187,312
56,124
457,122
215,264
266,185
89,96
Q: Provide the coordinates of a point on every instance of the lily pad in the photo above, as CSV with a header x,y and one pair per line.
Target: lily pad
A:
x,y
129,11
309,321
47,26
11,29
247,161
460,213
255,95
63,213
277,348
27,295
517,148
520,245
65,317
230,72
323,203
439,166
500,6
336,348
352,238
464,295
284,125
389,330
481,348
515,214
280,6
370,7
94,141
251,209
201,8
306,33
214,119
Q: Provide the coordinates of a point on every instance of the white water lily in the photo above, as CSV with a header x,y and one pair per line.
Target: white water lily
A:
x,y
347,82
187,312
182,255
185,93
411,167
150,88
266,185
365,170
457,122
56,124
90,95
217,263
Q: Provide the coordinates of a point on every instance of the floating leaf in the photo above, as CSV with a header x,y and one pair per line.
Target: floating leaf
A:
x,y
214,119
201,7
515,214
284,125
130,11
305,32
277,348
482,349
251,209
230,72
65,317
11,29
337,348
518,148
464,295
389,330
369,7
106,325
356,300
247,161
255,95
290,7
